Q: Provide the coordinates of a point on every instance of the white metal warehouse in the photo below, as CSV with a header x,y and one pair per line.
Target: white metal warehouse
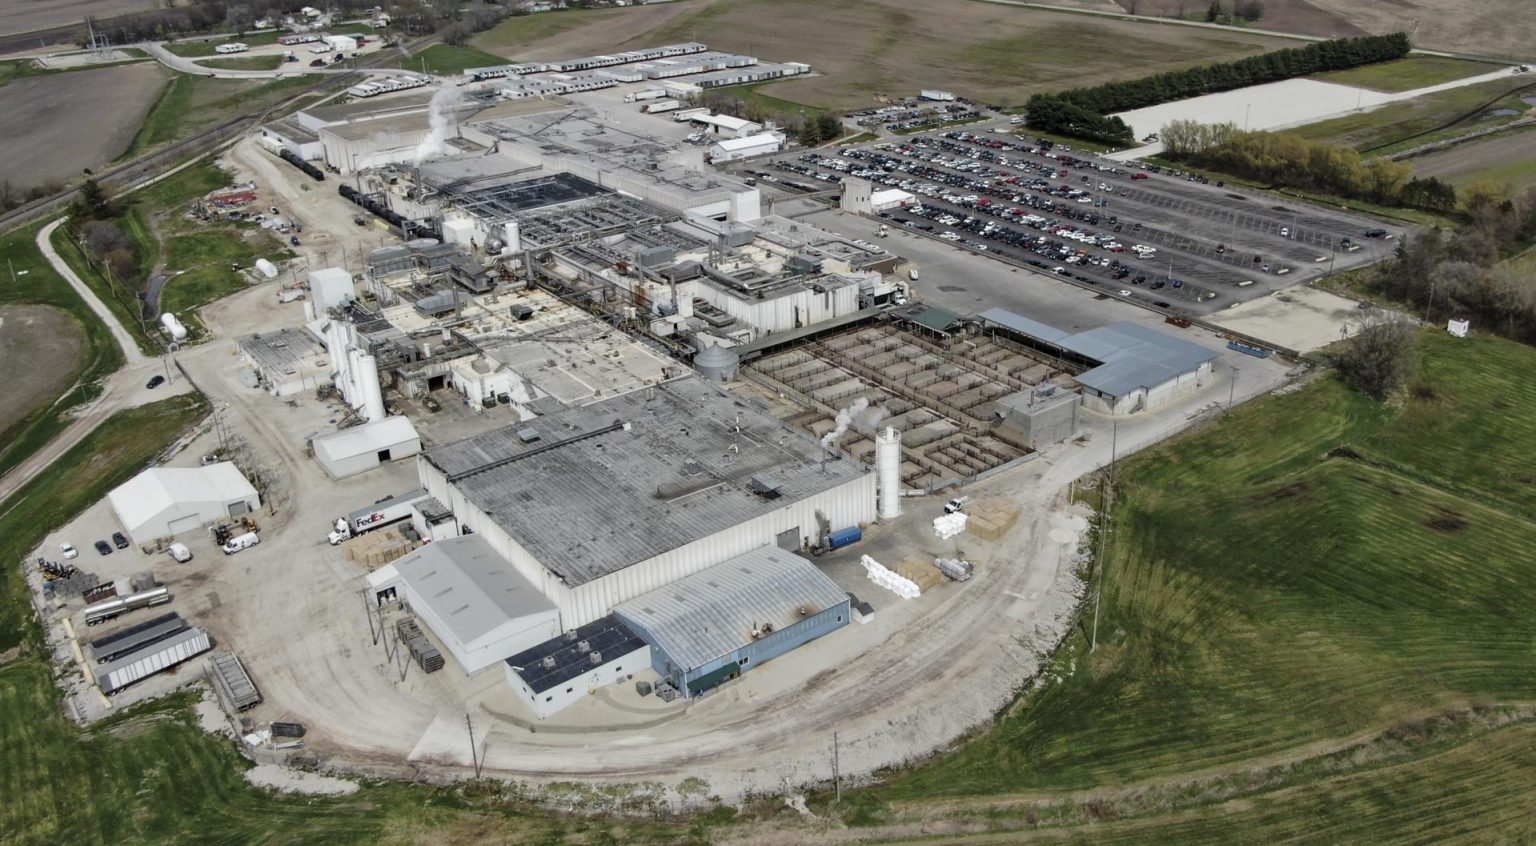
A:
x,y
362,448
162,502
599,504
479,608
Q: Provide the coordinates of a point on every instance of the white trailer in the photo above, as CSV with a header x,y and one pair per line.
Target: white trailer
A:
x,y
688,114
647,94
658,106
382,513
152,659
233,47
940,96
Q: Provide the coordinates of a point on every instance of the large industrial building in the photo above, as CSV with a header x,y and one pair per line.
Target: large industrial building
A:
x,y
599,504
163,502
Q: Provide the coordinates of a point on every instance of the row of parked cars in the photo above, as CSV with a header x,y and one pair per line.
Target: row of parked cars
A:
x,y
68,551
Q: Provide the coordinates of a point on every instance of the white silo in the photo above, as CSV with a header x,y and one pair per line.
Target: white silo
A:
x,y
370,391
888,471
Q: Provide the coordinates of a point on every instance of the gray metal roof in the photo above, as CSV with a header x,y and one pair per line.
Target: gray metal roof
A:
x,y
713,612
282,351
468,586
572,653
1023,325
1134,357
590,498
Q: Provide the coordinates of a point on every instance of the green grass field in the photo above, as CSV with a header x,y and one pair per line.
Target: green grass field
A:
x,y
450,61
38,283
245,62
1370,130
1407,74
1309,569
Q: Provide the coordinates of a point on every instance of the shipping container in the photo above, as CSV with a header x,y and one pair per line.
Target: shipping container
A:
x,y
152,659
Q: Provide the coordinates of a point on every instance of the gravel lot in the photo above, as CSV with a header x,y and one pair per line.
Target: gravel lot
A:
x,y
60,123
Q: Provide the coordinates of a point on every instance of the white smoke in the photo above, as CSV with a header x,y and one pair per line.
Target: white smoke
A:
x,y
441,117
858,414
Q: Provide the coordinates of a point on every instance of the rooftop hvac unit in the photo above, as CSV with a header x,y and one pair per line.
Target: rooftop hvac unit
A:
x,y
547,662
584,647
596,657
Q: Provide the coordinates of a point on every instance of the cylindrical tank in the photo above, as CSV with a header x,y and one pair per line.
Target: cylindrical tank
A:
x,y
717,364
267,268
177,331
372,394
353,395
888,471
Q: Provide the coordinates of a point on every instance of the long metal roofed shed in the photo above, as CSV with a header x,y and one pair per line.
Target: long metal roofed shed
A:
x,y
657,480
479,607
714,624
1127,367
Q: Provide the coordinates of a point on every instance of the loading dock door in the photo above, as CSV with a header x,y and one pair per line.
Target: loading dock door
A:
x,y
189,523
238,508
789,540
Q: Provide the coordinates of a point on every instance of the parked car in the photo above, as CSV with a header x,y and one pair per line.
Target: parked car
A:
x,y
119,541
154,382
103,547
68,551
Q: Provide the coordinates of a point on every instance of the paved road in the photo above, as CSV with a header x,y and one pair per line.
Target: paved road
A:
x,y
123,389
183,64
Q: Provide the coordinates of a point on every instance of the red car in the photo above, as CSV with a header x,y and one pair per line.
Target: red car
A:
x,y
1140,176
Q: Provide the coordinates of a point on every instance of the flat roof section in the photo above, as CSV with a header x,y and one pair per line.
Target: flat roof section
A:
x,y
717,611
283,351
560,659
470,587
625,479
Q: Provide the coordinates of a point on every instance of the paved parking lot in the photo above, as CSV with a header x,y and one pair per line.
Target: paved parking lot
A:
x,y
1145,235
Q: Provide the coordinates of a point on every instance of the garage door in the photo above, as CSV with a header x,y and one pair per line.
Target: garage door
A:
x,y
189,523
789,539
238,508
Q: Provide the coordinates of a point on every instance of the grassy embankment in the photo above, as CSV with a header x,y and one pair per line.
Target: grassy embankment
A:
x,y
198,256
1318,619
1386,129
189,104
450,61
36,282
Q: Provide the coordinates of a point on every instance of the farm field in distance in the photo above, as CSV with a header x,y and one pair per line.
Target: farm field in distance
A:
x,y
995,54
1312,573
58,123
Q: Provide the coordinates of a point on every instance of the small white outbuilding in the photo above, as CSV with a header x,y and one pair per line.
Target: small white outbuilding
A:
x,y
362,448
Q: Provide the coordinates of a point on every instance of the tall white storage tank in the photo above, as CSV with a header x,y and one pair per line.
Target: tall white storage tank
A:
x,y
888,471
372,393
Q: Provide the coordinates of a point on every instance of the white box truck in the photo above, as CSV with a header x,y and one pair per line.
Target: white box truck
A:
x,y
647,94
382,513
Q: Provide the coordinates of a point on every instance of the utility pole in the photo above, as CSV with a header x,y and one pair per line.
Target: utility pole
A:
x,y
473,752
1232,390
369,611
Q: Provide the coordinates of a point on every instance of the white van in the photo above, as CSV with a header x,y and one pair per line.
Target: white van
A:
x,y
239,542
957,504
912,275
180,552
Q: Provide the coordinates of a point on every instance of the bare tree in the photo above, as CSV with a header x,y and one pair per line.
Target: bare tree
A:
x,y
1382,358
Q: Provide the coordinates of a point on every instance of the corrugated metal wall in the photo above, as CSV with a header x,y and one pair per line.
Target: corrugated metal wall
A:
x,y
753,652
849,504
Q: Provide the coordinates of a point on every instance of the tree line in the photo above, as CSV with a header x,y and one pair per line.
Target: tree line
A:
x,y
810,129
1083,112
1290,161
1461,274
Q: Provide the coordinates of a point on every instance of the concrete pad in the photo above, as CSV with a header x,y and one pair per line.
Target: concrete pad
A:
x,y
1302,319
